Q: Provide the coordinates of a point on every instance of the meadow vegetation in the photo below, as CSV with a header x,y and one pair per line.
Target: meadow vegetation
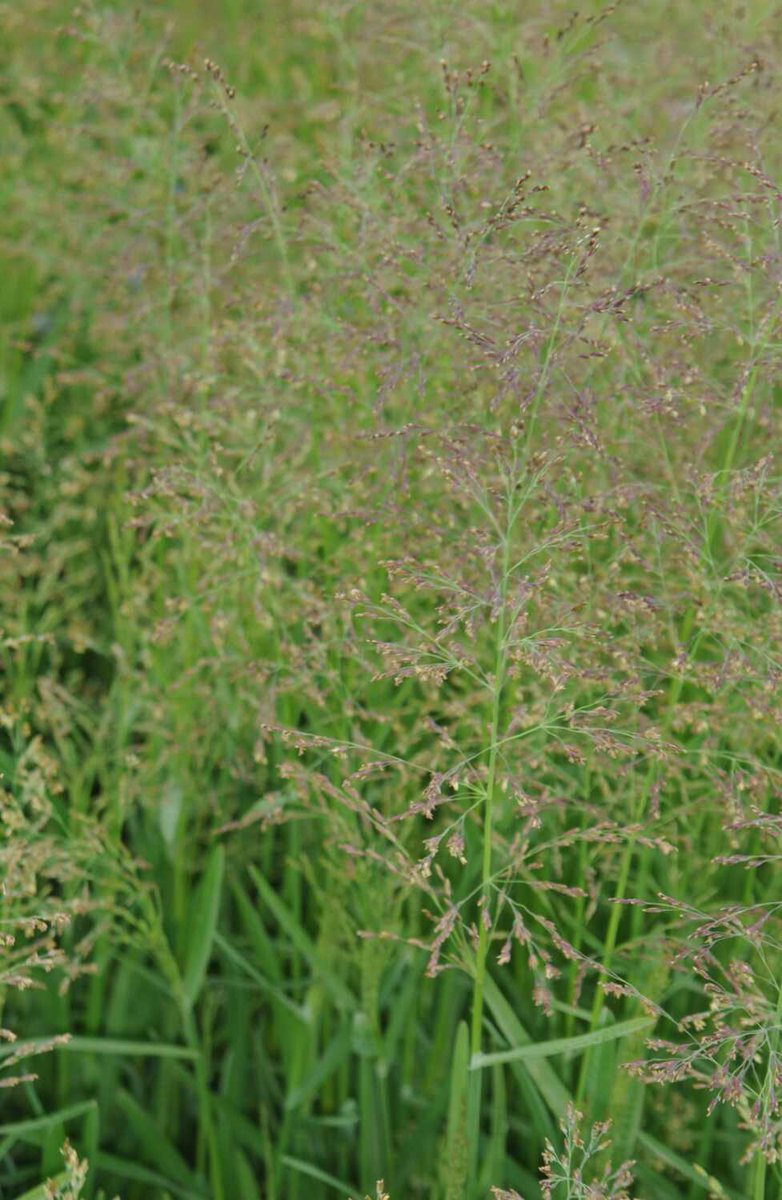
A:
x,y
391,642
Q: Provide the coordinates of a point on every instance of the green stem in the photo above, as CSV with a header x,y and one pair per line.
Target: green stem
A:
x,y
757,1174
476,1021
207,1150
609,946
488,811
757,1187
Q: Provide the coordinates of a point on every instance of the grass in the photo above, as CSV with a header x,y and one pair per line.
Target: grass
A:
x,y
390,590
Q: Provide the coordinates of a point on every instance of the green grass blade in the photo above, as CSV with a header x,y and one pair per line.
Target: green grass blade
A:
x,y
126,1169
305,1168
494,1163
457,1152
204,925
264,985
626,1104
98,1045
543,1075
254,930
44,1190
158,1151
689,1171
336,1053
568,1045
339,992
22,1129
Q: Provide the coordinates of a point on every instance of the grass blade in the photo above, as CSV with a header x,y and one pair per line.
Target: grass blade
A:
x,y
335,1054
158,1150
263,984
339,992
115,1165
305,1168
44,1190
568,1045
543,1075
22,1129
97,1045
456,1142
204,926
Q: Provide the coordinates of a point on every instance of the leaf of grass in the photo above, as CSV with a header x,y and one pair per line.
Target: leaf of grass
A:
x,y
204,924
305,1168
456,1156
130,1170
542,1074
626,1103
494,1163
568,1045
264,985
22,1129
694,1173
98,1045
335,1054
157,1149
43,1191
340,994
262,945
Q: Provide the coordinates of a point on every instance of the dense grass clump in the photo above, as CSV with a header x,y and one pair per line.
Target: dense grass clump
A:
x,y
390,584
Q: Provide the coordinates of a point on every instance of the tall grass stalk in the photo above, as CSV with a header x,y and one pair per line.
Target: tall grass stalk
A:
x,y
487,835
